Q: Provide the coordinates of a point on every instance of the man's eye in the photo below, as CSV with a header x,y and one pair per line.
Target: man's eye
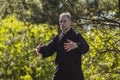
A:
x,y
64,21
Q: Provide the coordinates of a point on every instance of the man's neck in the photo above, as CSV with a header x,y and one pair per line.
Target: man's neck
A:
x,y
65,31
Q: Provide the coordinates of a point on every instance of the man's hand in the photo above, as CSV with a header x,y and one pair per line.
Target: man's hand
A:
x,y
70,45
38,48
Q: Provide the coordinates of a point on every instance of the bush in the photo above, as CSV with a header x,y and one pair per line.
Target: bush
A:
x,y
18,60
18,40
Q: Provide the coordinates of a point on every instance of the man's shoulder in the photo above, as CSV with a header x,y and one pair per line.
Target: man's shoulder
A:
x,y
76,32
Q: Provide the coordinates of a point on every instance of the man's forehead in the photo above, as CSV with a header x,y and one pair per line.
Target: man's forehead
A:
x,y
63,18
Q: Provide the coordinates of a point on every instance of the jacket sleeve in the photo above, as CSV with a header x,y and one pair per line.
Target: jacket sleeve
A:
x,y
83,46
49,49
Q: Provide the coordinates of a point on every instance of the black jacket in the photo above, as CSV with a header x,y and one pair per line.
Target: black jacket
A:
x,y
68,63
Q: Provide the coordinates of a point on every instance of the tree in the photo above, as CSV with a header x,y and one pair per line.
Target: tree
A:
x,y
18,38
83,11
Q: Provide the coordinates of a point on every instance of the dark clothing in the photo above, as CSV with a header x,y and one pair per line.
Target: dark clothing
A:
x,y
68,64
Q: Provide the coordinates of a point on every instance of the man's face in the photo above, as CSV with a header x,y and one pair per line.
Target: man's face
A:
x,y
64,23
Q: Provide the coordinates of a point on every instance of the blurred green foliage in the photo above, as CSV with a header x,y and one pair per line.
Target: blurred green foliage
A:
x,y
47,11
26,23
18,60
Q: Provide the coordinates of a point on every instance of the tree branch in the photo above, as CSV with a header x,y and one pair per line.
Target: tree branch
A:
x,y
101,20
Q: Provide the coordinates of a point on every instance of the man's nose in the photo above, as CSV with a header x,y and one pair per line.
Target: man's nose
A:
x,y
62,23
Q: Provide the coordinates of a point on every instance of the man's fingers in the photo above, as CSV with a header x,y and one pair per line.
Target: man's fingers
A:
x,y
69,45
39,44
38,48
68,40
67,48
66,43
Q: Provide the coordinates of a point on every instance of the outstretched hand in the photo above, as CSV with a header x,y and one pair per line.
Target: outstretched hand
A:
x,y
70,45
38,48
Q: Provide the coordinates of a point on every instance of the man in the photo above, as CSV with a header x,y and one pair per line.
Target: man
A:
x,y
69,46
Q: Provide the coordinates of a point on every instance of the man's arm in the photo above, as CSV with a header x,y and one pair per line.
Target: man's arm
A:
x,y
46,50
70,45
38,48
81,45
